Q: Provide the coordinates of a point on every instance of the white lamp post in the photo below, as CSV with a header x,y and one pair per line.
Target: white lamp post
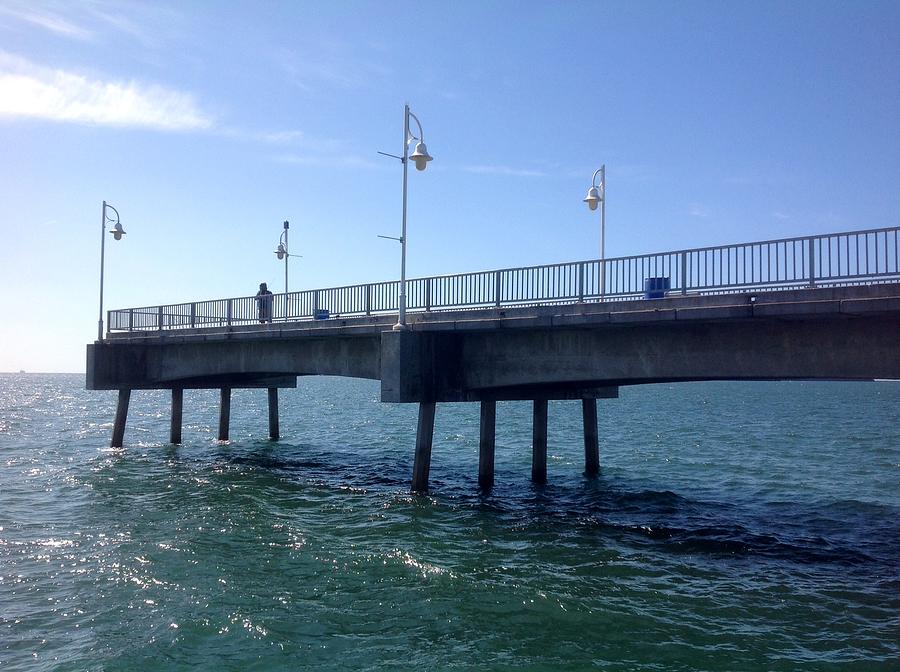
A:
x,y
421,158
282,253
597,195
117,232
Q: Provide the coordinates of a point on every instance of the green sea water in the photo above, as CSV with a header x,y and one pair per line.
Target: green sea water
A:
x,y
734,526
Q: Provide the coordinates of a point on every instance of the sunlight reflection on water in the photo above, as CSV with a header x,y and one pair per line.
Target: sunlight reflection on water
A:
x,y
748,526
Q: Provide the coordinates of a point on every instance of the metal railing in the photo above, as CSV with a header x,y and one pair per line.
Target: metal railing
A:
x,y
811,261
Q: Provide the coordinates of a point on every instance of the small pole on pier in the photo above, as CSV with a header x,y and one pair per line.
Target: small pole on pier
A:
x,y
486,444
591,438
539,442
224,413
424,438
177,406
274,434
118,435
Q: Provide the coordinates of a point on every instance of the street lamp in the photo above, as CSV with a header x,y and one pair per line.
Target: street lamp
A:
x,y
421,157
282,253
597,196
117,232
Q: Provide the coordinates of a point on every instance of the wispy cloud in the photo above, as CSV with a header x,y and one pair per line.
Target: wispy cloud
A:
x,y
331,65
96,20
47,20
781,215
148,24
504,170
37,92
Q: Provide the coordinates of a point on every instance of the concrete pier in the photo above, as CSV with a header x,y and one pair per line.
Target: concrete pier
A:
x,y
118,435
424,438
224,413
274,432
539,442
591,438
578,351
177,408
486,443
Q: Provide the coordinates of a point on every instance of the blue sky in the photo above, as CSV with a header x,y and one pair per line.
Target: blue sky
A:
x,y
206,124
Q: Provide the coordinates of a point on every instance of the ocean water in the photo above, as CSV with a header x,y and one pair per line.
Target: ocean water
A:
x,y
734,526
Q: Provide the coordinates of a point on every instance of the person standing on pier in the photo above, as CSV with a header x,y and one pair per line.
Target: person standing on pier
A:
x,y
264,301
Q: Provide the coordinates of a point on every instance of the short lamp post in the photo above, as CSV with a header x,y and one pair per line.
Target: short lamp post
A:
x,y
117,232
597,196
421,158
282,252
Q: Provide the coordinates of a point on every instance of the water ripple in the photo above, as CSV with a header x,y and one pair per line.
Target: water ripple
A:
x,y
732,527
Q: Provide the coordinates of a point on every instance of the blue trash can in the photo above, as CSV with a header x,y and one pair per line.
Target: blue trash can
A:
x,y
321,314
656,288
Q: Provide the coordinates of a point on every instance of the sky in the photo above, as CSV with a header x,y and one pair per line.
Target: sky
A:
x,y
207,124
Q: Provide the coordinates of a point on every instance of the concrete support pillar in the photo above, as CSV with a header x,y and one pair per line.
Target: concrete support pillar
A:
x,y
424,438
177,407
224,413
273,413
118,435
539,442
591,438
486,444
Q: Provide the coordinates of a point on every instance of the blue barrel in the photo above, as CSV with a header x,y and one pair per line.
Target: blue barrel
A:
x,y
656,288
321,314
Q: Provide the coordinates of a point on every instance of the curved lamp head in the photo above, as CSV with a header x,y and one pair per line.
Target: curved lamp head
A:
x,y
280,251
117,232
593,197
420,156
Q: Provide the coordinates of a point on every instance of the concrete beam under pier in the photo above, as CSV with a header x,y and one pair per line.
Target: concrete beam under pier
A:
x,y
165,363
830,334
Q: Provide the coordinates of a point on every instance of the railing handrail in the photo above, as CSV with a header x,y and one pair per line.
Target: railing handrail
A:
x,y
774,241
659,254
485,287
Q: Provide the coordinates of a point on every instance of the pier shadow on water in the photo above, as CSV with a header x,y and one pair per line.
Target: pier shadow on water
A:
x,y
613,508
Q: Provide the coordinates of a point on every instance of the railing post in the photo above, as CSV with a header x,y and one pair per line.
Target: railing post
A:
x,y
193,315
812,262
581,282
428,294
159,318
315,302
497,288
130,319
228,313
684,274
368,299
